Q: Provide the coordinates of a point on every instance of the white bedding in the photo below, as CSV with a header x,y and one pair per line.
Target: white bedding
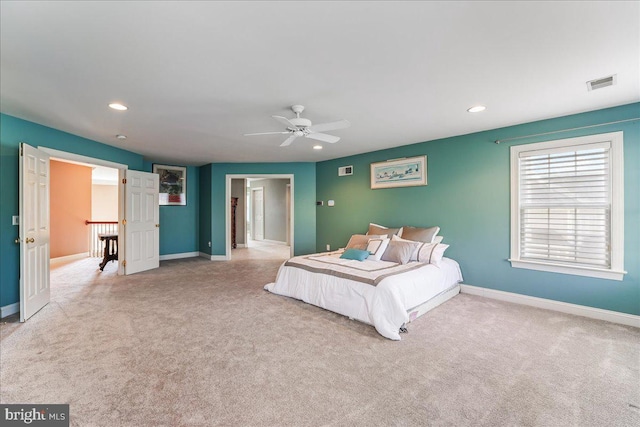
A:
x,y
384,305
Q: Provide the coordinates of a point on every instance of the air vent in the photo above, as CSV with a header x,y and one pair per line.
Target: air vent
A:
x,y
345,170
600,83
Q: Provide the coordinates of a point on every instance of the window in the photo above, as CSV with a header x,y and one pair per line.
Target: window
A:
x,y
567,206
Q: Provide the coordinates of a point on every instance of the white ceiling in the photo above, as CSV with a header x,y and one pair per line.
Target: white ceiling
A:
x,y
198,75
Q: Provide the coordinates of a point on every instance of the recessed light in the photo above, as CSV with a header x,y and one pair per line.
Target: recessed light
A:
x,y
121,137
118,107
317,147
476,108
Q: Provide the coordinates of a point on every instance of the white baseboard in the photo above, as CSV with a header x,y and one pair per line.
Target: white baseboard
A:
x,y
179,256
214,257
61,259
563,307
10,309
275,242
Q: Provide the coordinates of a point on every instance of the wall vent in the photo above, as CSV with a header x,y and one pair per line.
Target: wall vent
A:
x,y
600,83
345,170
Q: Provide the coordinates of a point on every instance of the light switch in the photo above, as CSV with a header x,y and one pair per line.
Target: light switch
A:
x,y
330,203
15,220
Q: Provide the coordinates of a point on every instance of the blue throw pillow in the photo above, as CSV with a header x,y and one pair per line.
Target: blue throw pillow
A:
x,y
357,254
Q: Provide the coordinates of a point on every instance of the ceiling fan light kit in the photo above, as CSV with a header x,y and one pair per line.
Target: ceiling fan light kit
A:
x,y
299,126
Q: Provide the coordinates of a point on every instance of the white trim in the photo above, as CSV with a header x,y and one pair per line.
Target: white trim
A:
x,y
179,256
547,304
214,257
241,245
275,242
227,204
80,159
61,259
10,309
616,140
569,269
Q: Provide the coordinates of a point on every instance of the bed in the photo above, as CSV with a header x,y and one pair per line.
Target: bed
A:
x,y
382,293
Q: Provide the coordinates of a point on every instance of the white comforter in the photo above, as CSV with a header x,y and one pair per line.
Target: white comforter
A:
x,y
384,306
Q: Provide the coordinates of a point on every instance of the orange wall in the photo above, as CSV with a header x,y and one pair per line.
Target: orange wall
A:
x,y
70,208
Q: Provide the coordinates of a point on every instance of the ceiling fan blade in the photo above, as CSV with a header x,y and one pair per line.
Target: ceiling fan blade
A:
x,y
324,137
340,124
266,133
285,122
288,141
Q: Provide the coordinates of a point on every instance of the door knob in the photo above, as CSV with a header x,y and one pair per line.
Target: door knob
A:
x,y
30,240
17,240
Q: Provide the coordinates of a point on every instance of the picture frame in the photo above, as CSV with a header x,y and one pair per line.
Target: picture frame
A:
x,y
173,185
405,172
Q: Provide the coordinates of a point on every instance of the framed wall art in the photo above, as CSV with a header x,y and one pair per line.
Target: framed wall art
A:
x,y
173,185
410,171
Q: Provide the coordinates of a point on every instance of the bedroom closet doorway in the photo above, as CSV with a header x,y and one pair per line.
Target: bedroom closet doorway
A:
x,y
259,223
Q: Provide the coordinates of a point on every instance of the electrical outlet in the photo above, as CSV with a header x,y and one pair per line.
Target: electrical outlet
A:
x,y
209,244
328,247
15,220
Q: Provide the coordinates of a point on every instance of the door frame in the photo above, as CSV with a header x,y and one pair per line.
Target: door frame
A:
x,y
91,161
227,204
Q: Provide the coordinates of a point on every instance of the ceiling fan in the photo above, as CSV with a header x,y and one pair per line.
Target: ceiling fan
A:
x,y
299,126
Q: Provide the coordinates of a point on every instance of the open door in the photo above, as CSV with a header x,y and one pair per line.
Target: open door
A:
x,y
257,206
142,222
34,238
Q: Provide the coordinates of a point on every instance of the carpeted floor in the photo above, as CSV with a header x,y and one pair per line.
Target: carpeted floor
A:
x,y
200,343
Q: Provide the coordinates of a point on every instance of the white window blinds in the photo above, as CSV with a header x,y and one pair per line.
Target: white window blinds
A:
x,y
565,205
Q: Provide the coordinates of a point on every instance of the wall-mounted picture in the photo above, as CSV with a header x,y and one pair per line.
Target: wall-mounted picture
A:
x,y
173,184
399,173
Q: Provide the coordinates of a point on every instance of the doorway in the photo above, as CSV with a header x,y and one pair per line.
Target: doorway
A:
x,y
114,170
264,219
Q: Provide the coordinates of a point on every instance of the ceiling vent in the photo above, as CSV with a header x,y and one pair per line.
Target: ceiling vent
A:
x,y
600,83
345,170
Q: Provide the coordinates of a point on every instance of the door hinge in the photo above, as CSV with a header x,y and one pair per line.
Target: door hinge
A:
x,y
124,180
124,263
124,221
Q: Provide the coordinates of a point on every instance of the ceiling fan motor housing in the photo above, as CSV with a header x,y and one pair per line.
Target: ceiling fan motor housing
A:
x,y
300,122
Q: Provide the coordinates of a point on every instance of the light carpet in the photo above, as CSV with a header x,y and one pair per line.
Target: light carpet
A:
x,y
200,343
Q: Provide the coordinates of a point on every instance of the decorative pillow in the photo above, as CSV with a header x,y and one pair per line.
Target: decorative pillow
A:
x,y
355,254
358,241
400,251
381,229
432,253
420,234
438,239
376,248
414,254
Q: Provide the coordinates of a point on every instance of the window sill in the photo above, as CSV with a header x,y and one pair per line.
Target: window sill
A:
x,y
565,269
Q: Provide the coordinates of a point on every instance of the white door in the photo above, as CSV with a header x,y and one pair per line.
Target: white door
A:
x,y
34,230
257,227
142,235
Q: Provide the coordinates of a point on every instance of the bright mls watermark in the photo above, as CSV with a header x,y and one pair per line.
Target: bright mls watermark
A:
x,y
34,415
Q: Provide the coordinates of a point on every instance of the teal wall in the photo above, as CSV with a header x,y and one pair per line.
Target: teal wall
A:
x,y
179,224
468,197
205,221
12,132
304,193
